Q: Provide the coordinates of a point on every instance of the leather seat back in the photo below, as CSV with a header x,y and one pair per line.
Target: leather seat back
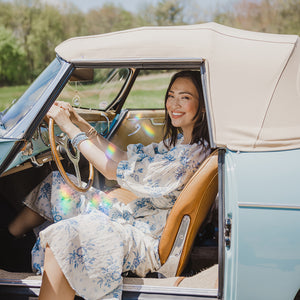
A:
x,y
194,201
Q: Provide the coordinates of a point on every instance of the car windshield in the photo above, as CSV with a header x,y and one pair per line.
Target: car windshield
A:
x,y
94,88
20,107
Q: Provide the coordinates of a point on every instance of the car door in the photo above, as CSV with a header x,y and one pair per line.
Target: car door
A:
x,y
262,253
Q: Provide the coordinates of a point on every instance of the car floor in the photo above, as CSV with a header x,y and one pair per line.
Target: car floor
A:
x,y
207,279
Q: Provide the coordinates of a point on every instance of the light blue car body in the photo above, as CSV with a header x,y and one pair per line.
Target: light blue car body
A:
x,y
262,201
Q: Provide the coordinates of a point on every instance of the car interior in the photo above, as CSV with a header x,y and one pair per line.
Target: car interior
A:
x,y
126,105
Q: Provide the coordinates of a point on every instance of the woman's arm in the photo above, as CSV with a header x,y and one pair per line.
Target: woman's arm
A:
x,y
104,156
100,142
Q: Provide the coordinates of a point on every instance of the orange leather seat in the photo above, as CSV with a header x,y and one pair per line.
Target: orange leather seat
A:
x,y
192,206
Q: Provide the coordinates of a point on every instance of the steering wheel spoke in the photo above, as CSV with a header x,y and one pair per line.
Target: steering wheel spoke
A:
x,y
73,155
77,172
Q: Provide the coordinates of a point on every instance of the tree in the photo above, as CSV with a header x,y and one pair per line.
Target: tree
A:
x,y
73,22
273,16
169,12
12,59
46,32
35,27
6,14
166,12
109,18
290,12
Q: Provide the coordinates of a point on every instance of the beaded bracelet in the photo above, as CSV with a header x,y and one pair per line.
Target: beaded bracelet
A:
x,y
78,138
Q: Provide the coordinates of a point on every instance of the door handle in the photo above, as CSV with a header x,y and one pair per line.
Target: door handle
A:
x,y
156,123
138,127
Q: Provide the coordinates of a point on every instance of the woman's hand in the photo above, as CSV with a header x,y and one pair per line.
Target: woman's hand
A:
x,y
74,117
94,151
62,117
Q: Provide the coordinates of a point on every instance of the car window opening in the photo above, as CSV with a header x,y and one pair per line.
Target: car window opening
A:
x,y
92,92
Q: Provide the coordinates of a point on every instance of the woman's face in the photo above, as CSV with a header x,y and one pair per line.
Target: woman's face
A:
x,y
182,105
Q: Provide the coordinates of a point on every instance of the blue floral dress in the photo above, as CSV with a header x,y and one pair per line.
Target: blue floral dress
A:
x,y
95,238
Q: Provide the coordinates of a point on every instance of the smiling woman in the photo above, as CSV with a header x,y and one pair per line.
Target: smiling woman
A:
x,y
183,104
155,174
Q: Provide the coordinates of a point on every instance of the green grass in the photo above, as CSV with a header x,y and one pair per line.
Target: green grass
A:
x,y
147,92
8,94
145,99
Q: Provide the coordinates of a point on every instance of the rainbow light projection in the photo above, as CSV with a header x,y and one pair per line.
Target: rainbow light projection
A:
x,y
65,194
105,201
148,129
110,151
137,117
95,201
99,201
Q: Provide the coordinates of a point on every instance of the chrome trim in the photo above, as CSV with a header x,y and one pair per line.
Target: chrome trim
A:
x,y
152,120
169,290
21,282
221,218
271,206
63,141
169,268
134,61
137,128
35,162
157,123
146,118
107,120
207,107
125,89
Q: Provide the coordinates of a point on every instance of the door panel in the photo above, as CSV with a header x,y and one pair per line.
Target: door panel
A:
x,y
139,126
262,260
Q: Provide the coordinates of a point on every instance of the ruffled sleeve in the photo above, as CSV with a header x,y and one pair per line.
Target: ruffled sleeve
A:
x,y
154,171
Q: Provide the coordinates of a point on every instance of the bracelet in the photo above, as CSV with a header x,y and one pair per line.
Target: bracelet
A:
x,y
78,138
91,132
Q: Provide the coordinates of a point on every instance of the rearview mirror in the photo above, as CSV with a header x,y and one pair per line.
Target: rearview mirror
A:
x,y
82,74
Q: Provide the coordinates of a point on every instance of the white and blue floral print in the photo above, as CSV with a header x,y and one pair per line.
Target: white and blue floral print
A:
x,y
95,238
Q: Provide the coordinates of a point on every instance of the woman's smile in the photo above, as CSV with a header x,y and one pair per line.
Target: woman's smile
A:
x,y
176,115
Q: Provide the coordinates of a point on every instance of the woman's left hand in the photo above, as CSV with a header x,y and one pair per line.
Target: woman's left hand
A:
x,y
61,117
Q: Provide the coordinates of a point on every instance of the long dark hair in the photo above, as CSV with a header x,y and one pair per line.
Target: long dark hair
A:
x,y
200,130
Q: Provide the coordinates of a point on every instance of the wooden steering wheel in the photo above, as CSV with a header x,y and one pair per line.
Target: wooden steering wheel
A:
x,y
74,157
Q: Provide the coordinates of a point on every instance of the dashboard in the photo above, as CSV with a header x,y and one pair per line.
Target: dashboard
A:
x,y
37,150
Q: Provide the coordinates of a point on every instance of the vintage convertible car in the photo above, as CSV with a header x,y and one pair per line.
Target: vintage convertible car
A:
x,y
232,233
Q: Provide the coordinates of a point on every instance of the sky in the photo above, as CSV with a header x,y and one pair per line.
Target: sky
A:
x,y
130,5
136,5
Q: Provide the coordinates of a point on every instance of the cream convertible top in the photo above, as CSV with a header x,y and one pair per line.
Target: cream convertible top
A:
x,y
253,79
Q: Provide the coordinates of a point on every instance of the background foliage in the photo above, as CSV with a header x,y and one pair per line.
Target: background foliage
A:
x,y
30,29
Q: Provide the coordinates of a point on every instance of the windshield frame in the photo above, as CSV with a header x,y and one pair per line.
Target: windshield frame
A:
x,y
25,125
